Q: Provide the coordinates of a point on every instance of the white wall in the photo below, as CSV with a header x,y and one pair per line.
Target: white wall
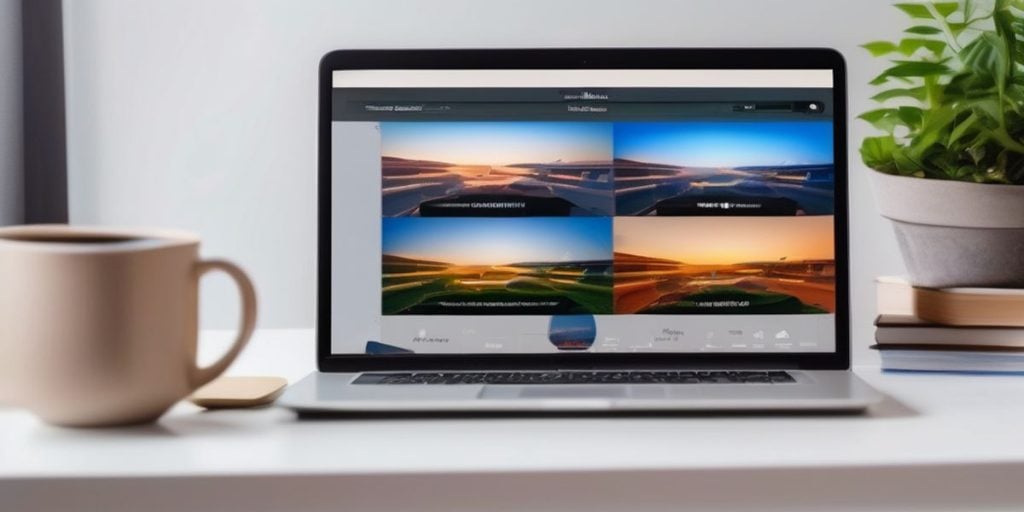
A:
x,y
202,114
11,184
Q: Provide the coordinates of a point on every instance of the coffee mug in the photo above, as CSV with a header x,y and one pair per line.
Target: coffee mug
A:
x,y
98,326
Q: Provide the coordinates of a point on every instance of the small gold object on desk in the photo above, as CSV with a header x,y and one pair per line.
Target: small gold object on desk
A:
x,y
239,392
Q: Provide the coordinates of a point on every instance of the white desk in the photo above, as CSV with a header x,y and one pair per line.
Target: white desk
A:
x,y
941,442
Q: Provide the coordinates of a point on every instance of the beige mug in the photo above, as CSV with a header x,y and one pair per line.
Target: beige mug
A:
x,y
98,326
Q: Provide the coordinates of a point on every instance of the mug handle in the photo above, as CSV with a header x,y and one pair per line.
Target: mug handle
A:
x,y
201,376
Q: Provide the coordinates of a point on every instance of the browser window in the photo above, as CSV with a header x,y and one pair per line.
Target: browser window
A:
x,y
539,211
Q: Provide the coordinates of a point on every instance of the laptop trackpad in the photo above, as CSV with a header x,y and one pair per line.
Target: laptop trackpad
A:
x,y
554,391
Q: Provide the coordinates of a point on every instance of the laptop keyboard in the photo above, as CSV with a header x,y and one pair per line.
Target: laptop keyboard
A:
x,y
580,377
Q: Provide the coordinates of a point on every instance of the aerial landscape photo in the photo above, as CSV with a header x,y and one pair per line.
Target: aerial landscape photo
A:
x,y
487,266
496,169
724,265
716,168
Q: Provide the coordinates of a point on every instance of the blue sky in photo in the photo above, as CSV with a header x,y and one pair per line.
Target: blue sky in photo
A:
x,y
725,143
495,241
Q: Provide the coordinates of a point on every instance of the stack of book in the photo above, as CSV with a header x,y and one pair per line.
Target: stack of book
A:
x,y
964,330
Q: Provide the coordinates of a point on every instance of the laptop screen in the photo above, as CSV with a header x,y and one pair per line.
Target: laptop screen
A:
x,y
582,211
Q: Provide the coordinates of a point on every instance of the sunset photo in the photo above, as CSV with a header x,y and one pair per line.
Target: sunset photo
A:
x,y
721,168
496,169
724,265
513,266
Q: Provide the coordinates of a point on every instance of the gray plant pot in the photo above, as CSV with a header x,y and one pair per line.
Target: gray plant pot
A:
x,y
955,233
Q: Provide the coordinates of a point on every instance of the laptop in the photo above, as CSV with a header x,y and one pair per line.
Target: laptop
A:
x,y
582,230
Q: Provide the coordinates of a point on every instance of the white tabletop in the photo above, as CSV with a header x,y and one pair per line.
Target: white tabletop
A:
x,y
932,427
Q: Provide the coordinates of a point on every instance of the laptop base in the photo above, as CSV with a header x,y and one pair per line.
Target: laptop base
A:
x,y
833,390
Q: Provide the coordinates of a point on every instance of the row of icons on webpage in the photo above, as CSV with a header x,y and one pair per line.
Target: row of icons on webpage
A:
x,y
736,339
733,339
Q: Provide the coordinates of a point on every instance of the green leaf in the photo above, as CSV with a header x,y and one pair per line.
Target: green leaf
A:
x,y
987,109
1003,21
961,129
919,11
879,48
1014,97
923,30
872,116
910,116
877,152
917,93
956,28
966,85
977,148
946,8
1018,26
909,46
934,125
986,55
908,68
885,119
964,171
943,161
905,162
914,10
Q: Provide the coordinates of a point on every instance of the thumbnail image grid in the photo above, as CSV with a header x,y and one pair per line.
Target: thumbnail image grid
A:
x,y
724,265
719,168
496,169
486,266
584,218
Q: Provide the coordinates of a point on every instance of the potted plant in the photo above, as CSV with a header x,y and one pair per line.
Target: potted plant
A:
x,y
950,161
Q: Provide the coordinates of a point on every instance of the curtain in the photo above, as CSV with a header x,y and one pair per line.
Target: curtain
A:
x,y
11,119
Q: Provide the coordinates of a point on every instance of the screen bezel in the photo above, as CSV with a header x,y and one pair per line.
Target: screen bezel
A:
x,y
580,58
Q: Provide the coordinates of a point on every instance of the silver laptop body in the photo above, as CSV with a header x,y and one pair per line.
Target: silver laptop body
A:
x,y
582,230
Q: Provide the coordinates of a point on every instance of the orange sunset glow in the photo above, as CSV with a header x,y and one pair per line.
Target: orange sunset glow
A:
x,y
726,240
